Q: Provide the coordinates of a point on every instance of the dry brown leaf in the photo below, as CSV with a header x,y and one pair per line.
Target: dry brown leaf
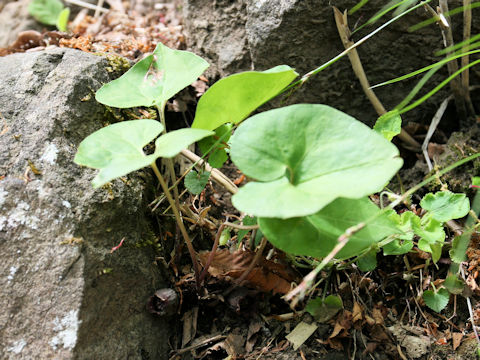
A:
x,y
357,312
266,275
378,316
456,339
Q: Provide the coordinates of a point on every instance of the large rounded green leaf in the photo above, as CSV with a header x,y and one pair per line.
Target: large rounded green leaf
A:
x,y
153,80
304,157
316,235
117,149
232,99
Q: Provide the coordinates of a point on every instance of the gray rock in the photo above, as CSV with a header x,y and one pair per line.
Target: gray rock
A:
x,y
64,295
251,34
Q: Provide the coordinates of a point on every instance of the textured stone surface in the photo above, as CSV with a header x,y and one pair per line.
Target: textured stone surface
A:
x,y
302,34
64,295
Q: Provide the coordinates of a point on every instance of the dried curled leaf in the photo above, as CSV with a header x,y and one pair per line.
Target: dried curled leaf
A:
x,y
265,276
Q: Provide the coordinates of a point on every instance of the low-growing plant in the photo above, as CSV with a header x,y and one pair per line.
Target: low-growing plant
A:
x,y
50,12
312,167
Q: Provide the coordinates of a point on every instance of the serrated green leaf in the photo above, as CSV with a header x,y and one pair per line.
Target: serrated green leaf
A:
x,y
403,242
437,301
368,261
389,125
233,98
217,155
460,246
153,80
196,182
305,156
316,235
45,11
453,284
62,20
324,310
117,149
445,205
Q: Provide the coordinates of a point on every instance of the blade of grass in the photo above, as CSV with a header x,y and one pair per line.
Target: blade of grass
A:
x,y
432,20
426,68
437,88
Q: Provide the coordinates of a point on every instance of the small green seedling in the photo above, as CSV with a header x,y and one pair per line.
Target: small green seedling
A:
x,y
50,12
435,299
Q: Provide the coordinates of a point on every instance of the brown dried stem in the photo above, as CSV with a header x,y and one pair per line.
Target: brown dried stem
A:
x,y
344,32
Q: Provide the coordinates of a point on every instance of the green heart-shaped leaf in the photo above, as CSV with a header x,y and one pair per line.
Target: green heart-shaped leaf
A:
x,y
232,99
389,125
117,149
45,11
305,156
445,205
436,300
316,235
195,182
153,80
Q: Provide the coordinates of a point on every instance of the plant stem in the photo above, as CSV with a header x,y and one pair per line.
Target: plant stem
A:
x,y
178,218
298,293
171,169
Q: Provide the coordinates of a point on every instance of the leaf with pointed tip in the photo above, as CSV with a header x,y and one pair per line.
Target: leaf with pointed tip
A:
x,y
153,80
304,157
316,235
232,99
117,149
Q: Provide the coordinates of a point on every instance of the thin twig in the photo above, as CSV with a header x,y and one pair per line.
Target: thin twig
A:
x,y
212,253
433,126
241,227
87,5
344,32
470,310
298,293
455,85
